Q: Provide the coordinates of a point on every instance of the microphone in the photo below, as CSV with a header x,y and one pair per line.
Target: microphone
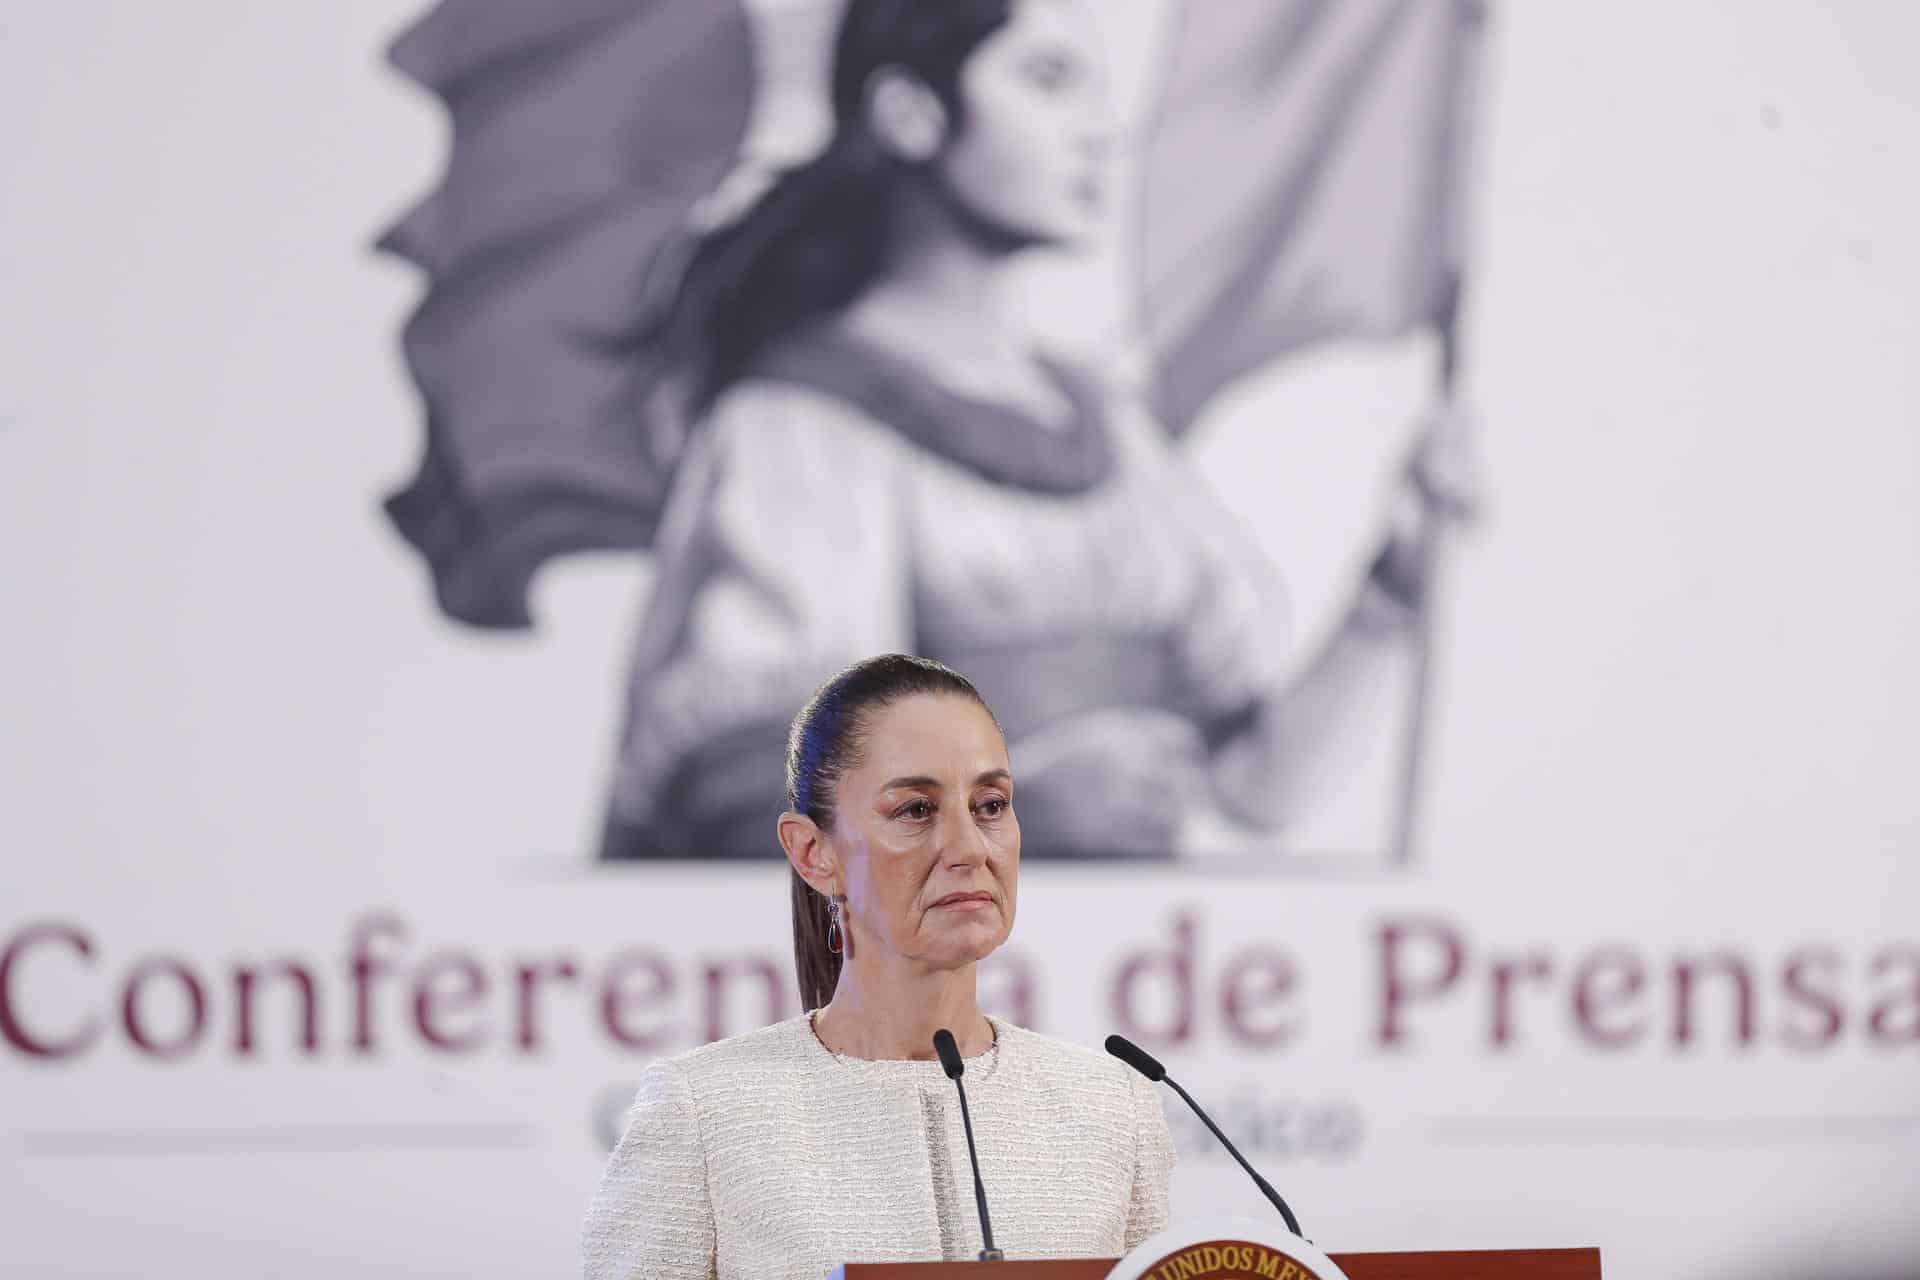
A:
x,y
1149,1066
950,1063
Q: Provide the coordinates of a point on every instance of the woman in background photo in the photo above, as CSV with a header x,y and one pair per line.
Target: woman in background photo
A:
x,y
878,456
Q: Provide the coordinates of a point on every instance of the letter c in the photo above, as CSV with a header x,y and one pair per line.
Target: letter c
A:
x,y
10,1026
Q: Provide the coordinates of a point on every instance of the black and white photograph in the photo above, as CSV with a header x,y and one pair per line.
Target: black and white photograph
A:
x,y
788,335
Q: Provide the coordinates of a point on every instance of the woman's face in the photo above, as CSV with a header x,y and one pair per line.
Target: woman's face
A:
x,y
1030,158
928,846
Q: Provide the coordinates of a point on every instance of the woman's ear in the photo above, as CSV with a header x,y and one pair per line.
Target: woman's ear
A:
x,y
904,115
810,852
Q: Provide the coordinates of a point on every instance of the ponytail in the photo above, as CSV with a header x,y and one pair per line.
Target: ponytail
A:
x,y
818,237
810,245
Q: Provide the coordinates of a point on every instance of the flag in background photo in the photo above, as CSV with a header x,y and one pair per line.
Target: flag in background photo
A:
x,y
584,133
1303,181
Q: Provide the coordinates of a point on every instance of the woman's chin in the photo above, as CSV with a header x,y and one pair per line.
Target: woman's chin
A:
x,y
1063,238
966,942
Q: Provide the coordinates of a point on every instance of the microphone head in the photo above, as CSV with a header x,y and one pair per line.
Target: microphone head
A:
x,y
949,1053
1136,1057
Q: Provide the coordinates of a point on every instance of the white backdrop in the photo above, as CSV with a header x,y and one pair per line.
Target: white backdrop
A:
x,y
1675,718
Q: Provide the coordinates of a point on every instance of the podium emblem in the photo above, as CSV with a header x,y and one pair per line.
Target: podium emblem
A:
x,y
1226,1249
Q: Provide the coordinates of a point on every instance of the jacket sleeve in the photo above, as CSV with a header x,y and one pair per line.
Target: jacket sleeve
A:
x,y
783,558
652,1216
1152,1165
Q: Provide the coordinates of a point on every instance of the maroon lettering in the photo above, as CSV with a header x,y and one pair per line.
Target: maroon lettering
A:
x,y
448,983
1895,1018
245,978
1609,981
528,976
1507,975
1175,966
131,1005
636,983
1804,987
1399,988
1258,980
717,977
11,1026
1686,975
365,966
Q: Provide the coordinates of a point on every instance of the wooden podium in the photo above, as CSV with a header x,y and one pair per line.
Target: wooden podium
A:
x,y
1477,1264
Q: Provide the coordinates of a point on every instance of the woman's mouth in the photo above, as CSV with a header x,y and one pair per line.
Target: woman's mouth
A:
x,y
968,901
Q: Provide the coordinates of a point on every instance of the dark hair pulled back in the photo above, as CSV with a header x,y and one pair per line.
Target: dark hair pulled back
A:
x,y
826,740
817,237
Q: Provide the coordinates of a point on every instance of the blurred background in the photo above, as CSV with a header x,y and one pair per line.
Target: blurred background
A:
x,y
306,962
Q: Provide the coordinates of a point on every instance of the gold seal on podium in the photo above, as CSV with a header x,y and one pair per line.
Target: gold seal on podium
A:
x,y
1226,1249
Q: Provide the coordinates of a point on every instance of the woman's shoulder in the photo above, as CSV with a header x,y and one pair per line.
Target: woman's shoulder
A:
x,y
769,413
769,438
896,392
784,1042
716,1071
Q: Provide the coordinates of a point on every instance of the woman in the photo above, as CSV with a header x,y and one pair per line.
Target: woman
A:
x,y
835,1137
877,458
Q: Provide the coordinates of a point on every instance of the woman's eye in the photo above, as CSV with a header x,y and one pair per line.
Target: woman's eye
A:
x,y
1051,72
994,807
915,811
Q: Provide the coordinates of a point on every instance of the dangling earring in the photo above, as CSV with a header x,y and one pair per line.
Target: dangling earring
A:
x,y
836,940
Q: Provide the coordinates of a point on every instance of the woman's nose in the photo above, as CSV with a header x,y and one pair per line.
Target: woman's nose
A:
x,y
1093,133
963,843
1093,140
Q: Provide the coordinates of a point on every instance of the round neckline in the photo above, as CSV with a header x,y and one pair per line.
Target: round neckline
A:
x,y
978,1067
998,442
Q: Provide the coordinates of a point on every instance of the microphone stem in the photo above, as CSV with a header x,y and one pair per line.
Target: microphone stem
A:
x,y
988,1253
1293,1223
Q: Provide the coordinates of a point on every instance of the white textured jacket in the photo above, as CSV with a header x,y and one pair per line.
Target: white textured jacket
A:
x,y
768,1156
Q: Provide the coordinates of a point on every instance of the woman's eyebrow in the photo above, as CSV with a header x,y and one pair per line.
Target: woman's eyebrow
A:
x,y
922,780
